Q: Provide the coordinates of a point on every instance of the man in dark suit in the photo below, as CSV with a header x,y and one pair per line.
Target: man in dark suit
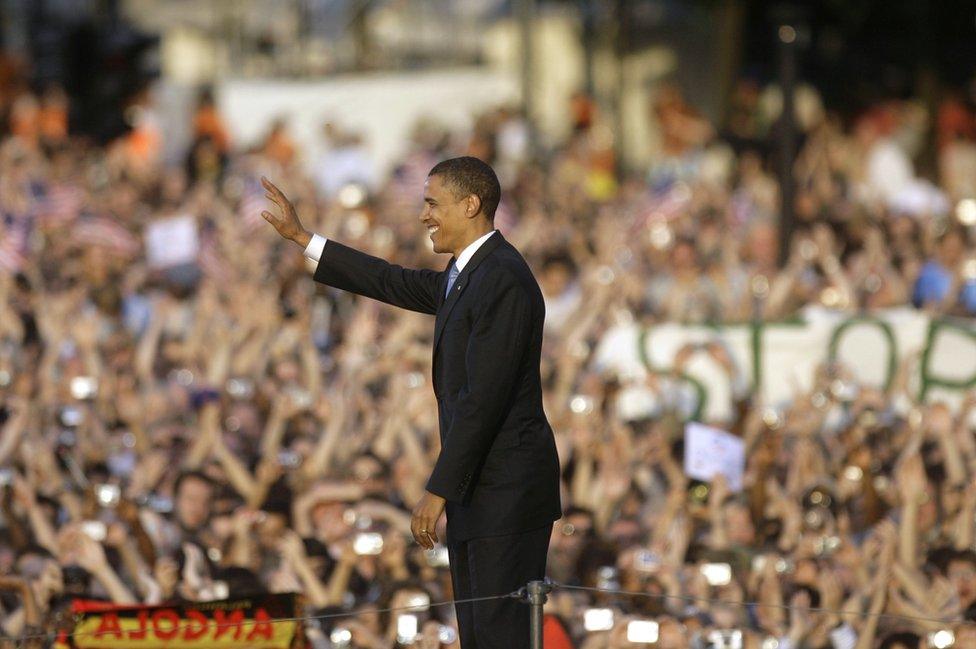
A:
x,y
497,474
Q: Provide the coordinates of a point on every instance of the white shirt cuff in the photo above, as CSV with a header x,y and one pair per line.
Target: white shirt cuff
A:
x,y
314,248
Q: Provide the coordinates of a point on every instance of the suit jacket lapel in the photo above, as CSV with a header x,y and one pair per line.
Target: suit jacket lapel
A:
x,y
462,279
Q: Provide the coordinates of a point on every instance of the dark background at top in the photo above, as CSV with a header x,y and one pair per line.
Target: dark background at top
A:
x,y
864,50
854,51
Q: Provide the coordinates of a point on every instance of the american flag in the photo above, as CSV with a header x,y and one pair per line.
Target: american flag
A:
x,y
406,187
106,232
13,245
666,206
251,205
60,206
212,262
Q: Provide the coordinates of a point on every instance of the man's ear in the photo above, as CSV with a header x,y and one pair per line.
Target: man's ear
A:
x,y
473,207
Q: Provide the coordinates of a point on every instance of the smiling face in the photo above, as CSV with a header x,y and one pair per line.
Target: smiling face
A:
x,y
452,222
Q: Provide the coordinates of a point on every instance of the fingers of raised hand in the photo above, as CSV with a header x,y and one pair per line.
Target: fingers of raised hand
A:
x,y
271,188
273,194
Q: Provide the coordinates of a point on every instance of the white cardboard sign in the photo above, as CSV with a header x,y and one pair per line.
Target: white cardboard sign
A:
x,y
710,451
172,241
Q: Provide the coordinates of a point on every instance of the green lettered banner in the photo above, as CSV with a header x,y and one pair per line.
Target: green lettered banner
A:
x,y
779,359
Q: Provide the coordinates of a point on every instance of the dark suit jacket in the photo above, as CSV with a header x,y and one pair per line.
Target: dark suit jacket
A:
x,y
498,467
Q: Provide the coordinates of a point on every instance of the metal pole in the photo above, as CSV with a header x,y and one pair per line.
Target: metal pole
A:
x,y
537,591
786,35
619,34
526,11
587,18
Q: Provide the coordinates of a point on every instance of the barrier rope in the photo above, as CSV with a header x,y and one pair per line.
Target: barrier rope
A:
x,y
786,607
521,595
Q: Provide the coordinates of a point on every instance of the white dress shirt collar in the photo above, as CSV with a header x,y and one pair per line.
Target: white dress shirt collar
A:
x,y
468,252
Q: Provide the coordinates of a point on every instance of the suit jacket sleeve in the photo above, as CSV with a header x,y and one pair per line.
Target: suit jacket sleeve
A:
x,y
351,270
496,347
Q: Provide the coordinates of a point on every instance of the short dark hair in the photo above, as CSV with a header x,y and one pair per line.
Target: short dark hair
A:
x,y
964,556
900,638
194,474
468,175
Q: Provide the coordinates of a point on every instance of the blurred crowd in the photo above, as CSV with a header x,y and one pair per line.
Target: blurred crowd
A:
x,y
187,416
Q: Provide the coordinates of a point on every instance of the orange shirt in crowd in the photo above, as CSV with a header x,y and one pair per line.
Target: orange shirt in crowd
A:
x,y
954,120
583,109
25,118
143,144
31,120
53,121
207,123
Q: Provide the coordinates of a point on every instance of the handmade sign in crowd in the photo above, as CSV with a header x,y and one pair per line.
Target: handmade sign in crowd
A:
x,y
171,241
779,360
710,452
262,622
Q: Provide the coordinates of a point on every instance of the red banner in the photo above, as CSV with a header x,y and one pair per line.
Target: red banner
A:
x,y
260,622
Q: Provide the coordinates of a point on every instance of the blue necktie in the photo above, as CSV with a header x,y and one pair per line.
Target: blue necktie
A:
x,y
451,276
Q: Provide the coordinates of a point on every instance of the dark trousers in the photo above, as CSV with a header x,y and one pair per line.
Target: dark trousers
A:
x,y
496,565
